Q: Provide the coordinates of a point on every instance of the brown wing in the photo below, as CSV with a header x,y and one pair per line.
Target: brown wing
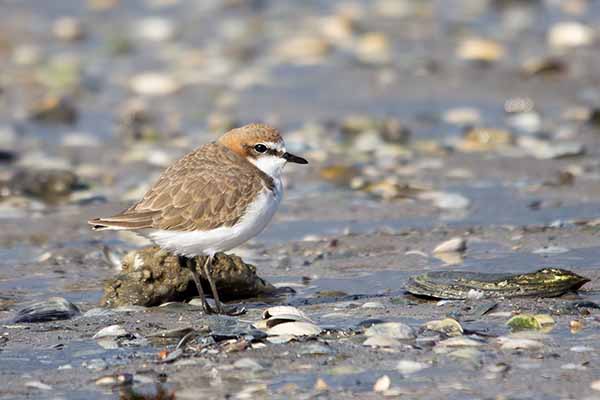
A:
x,y
208,188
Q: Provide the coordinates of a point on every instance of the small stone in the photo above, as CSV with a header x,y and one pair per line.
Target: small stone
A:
x,y
485,139
595,385
374,48
38,385
304,49
570,34
480,50
396,330
407,367
462,116
110,331
153,84
447,201
68,29
55,110
457,244
155,29
551,250
508,343
527,321
373,304
382,384
545,150
528,122
447,326
248,363
460,341
118,379
321,385
382,341
544,66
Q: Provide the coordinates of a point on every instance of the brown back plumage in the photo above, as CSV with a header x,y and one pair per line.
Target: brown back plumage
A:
x,y
206,189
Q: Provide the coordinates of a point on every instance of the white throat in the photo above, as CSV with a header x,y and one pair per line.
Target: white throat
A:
x,y
270,165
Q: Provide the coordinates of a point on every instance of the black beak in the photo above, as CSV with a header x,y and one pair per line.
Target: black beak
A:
x,y
295,159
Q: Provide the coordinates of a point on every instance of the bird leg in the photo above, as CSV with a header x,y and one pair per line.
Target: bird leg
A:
x,y
192,263
213,287
221,309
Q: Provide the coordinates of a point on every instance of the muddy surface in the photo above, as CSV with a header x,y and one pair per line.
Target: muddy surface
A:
x,y
423,121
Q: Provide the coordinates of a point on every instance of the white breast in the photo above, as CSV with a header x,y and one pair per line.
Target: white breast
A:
x,y
256,218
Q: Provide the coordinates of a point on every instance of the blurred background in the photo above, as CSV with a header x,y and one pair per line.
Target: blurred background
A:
x,y
423,121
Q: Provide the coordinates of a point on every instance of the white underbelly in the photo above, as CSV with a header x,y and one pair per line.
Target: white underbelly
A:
x,y
257,216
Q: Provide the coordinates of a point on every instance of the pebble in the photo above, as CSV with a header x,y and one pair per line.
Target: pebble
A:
x,y
545,150
456,244
460,341
55,308
118,379
373,48
462,116
248,363
382,341
303,49
407,367
447,201
382,384
481,50
153,84
38,385
595,385
373,304
155,29
551,250
95,363
527,122
447,326
508,343
570,34
396,330
110,331
68,29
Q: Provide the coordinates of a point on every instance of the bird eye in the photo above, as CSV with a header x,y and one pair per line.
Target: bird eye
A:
x,y
261,148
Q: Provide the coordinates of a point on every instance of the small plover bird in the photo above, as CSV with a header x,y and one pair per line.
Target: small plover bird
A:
x,y
213,199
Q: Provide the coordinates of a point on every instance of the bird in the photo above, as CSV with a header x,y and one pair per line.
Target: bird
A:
x,y
211,200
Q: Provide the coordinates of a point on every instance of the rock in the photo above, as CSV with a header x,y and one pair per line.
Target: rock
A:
x,y
462,116
382,384
544,66
153,84
551,250
49,185
545,150
374,48
113,380
55,308
570,34
485,139
295,328
595,385
68,29
480,50
447,326
508,343
110,331
447,201
38,385
528,122
396,330
151,276
281,314
303,49
527,321
373,304
382,341
54,109
248,363
460,341
457,244
155,29
407,367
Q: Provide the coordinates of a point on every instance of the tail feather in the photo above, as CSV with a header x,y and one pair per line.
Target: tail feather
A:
x,y
136,220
